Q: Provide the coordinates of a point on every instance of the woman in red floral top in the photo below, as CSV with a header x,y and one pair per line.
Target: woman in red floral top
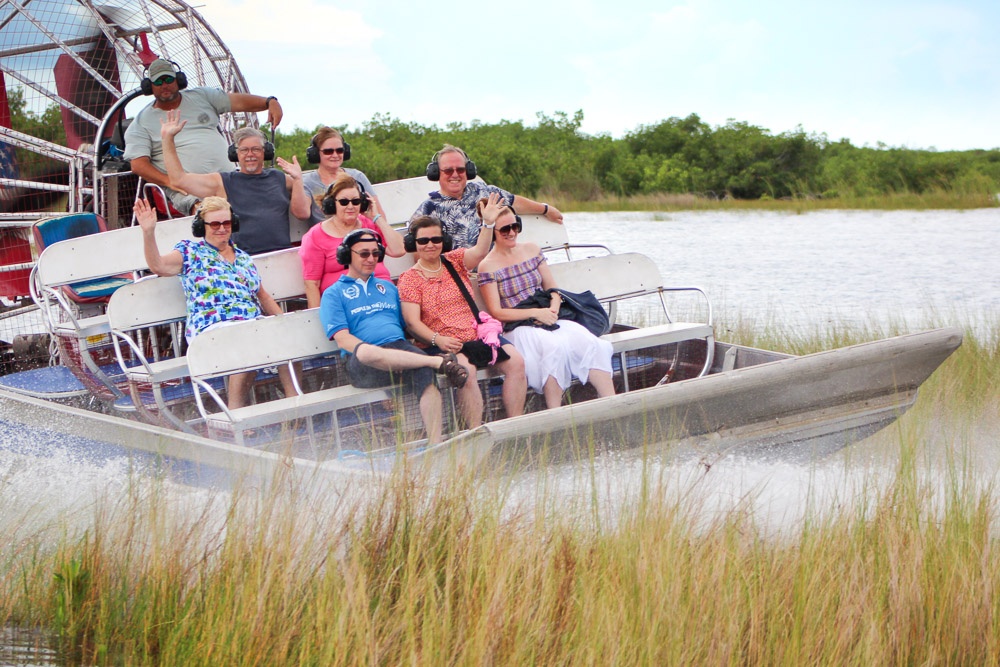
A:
x,y
440,318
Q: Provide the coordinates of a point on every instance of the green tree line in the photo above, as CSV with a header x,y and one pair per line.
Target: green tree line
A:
x,y
678,156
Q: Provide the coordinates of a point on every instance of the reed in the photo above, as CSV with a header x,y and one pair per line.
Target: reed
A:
x,y
458,569
931,200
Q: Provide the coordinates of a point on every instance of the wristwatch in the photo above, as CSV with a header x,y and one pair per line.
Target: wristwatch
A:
x,y
485,226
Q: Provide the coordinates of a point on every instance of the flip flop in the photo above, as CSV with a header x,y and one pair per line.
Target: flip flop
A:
x,y
455,372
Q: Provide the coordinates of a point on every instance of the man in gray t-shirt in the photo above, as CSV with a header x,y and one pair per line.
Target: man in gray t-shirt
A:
x,y
201,146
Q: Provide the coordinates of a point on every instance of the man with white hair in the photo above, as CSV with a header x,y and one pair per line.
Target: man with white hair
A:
x,y
201,147
454,203
262,198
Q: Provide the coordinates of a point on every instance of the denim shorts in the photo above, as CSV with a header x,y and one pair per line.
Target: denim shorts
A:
x,y
416,379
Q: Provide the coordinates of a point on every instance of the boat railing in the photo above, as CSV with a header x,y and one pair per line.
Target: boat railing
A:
x,y
75,188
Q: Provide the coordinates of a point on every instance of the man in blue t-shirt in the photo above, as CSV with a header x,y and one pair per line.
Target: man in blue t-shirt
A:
x,y
362,314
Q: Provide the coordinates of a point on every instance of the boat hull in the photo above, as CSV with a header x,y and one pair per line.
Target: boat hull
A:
x,y
794,407
798,407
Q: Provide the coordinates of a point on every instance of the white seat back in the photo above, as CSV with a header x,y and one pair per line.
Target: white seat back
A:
x,y
281,273
147,303
401,198
106,254
543,232
609,277
244,346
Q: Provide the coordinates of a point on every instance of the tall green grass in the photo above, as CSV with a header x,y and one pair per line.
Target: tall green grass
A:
x,y
458,569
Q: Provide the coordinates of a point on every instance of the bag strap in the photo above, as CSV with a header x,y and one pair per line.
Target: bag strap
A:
x,y
461,286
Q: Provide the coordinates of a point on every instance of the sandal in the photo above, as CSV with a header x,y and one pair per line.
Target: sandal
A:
x,y
454,371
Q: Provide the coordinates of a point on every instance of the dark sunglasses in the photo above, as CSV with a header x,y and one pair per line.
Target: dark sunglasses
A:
x,y
451,170
366,254
345,201
331,151
430,239
506,229
166,78
219,223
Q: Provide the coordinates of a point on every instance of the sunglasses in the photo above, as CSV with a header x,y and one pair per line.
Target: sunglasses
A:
x,y
366,254
507,229
215,225
436,240
331,151
451,170
164,79
345,201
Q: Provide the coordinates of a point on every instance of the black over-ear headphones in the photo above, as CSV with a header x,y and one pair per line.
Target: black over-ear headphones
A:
x,y
312,153
330,202
357,236
198,224
434,169
146,85
268,152
410,241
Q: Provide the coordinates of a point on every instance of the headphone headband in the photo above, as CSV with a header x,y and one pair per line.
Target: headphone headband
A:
x,y
146,85
434,168
355,237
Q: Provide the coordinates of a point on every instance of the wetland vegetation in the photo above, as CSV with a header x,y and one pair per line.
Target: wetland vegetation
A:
x,y
466,570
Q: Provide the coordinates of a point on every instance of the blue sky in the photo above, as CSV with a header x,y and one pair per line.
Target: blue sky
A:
x,y
915,74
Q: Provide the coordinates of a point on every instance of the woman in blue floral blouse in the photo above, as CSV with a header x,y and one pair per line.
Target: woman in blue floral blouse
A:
x,y
220,281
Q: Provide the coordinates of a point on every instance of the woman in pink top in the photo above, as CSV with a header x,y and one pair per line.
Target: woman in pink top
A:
x,y
345,202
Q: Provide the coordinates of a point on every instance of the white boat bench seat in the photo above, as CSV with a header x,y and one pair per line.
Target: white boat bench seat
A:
x,y
94,257
135,310
630,340
291,408
84,327
615,278
248,346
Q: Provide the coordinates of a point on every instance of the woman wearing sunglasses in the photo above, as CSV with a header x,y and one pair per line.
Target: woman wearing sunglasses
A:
x,y
441,319
329,151
345,205
511,273
220,281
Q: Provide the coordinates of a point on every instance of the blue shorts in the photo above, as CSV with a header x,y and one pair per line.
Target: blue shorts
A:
x,y
366,377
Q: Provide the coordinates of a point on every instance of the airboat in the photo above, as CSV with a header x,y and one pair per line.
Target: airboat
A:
x,y
94,355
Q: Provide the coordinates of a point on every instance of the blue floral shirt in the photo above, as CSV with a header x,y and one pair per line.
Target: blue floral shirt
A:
x,y
459,215
216,290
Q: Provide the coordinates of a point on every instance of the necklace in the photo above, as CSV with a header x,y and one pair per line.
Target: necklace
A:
x,y
335,226
420,263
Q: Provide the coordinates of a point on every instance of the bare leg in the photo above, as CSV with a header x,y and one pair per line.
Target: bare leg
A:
x,y
552,392
602,382
286,381
515,383
239,389
430,412
470,398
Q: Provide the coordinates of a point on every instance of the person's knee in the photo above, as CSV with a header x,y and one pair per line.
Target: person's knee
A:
x,y
430,392
514,367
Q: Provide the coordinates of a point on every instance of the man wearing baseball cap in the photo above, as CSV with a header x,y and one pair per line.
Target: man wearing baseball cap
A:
x,y
201,146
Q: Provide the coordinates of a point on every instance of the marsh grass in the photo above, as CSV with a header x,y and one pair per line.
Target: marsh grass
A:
x,y
418,569
930,200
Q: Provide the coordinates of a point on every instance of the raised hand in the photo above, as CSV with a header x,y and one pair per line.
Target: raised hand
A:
x,y
293,168
144,215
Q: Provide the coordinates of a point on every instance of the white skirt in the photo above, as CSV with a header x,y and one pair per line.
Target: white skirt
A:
x,y
567,352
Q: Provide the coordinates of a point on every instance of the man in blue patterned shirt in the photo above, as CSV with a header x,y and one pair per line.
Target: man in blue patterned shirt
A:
x,y
454,204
